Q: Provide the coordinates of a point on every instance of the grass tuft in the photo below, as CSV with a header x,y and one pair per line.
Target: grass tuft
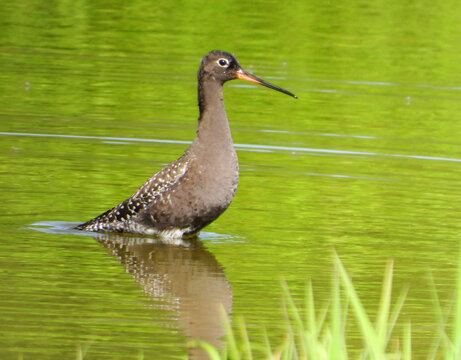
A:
x,y
320,334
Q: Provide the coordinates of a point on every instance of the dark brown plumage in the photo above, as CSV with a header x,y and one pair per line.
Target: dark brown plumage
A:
x,y
194,190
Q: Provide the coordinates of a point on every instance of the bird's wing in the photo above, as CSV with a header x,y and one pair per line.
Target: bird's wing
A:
x,y
145,195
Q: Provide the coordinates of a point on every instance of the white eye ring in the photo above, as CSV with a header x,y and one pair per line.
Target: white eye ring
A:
x,y
223,62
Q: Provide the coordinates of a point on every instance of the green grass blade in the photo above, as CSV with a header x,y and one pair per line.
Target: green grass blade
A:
x,y
211,351
336,351
407,343
457,323
231,343
245,339
384,304
397,309
291,306
368,331
79,352
267,347
441,335
309,305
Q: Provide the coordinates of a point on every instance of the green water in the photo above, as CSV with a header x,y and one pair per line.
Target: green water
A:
x,y
367,162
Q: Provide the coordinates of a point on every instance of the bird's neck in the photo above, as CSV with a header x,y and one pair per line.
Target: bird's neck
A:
x,y
213,127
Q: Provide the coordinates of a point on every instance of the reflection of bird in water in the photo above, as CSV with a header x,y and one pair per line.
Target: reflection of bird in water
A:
x,y
187,277
194,190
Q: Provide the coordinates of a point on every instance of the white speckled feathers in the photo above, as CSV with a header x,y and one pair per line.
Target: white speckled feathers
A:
x,y
153,190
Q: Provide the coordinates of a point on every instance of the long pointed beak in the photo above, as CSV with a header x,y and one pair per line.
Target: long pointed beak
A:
x,y
243,75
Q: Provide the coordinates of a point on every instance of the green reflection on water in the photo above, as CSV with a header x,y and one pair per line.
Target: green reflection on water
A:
x,y
383,76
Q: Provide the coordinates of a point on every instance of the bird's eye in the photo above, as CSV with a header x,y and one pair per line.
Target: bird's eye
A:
x,y
223,62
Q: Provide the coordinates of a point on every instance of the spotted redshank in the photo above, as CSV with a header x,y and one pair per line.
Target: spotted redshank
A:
x,y
191,192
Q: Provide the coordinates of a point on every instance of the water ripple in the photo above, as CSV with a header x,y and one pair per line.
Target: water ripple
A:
x,y
248,147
